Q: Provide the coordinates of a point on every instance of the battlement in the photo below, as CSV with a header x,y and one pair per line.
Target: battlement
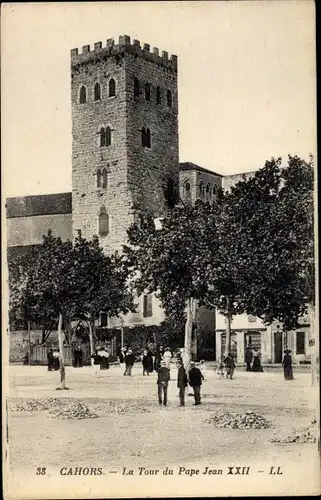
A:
x,y
124,46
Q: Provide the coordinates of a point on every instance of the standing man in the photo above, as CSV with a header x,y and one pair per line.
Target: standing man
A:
x,y
181,382
287,365
129,362
96,365
50,358
195,381
162,383
167,357
248,358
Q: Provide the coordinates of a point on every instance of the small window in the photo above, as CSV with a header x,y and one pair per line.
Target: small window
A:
x,y
148,306
251,318
103,320
187,189
112,88
300,342
136,88
214,190
158,96
201,190
169,99
105,178
147,91
108,136
148,143
103,222
102,137
97,92
82,95
98,178
208,192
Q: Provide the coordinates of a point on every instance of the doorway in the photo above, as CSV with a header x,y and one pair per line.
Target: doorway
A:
x,y
278,347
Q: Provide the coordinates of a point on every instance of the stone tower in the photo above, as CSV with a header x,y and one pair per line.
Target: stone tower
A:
x,y
125,137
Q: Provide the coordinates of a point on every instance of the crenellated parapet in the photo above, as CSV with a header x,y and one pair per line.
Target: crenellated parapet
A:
x,y
124,46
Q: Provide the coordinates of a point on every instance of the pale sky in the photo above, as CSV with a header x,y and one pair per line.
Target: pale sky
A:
x,y
246,73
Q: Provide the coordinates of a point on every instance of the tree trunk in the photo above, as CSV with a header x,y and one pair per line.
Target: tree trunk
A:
x,y
91,340
315,368
61,356
188,327
29,343
228,326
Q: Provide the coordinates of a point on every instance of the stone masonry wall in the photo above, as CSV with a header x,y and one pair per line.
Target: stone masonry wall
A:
x,y
135,174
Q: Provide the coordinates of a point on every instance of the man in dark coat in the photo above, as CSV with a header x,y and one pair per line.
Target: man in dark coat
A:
x,y
129,362
230,365
287,365
50,358
248,358
181,382
163,377
195,381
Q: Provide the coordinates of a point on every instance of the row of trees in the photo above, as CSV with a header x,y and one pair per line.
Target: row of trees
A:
x,y
251,251
66,281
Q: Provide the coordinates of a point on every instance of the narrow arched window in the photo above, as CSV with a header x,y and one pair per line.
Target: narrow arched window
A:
x,y
148,143
82,95
214,190
103,222
136,88
158,96
147,91
97,92
143,137
201,190
187,189
102,137
108,136
105,178
208,192
112,88
99,178
169,99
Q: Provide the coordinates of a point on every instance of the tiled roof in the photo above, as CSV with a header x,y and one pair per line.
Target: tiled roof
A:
x,y
46,204
192,166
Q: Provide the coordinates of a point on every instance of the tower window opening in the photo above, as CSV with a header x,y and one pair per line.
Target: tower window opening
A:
x,y
146,141
97,92
103,222
105,178
201,190
148,306
82,95
99,178
147,91
102,137
169,99
112,88
108,136
158,96
136,88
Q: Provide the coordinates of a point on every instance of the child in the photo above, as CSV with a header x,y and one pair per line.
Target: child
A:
x,y
97,361
230,366
203,368
220,370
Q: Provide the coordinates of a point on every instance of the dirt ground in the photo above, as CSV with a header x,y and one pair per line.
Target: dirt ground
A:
x,y
166,436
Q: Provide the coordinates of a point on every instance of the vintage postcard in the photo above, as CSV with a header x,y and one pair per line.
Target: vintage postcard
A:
x,y
160,305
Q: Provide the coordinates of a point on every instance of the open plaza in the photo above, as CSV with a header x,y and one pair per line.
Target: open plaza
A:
x,y
132,432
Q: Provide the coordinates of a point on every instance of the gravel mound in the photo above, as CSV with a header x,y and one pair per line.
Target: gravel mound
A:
x,y
34,404
306,435
121,407
76,411
247,420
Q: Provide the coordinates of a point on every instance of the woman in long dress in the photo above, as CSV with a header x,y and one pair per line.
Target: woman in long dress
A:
x,y
256,367
287,365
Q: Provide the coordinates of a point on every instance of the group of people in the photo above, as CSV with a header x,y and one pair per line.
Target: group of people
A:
x,y
53,359
193,377
253,360
226,368
100,359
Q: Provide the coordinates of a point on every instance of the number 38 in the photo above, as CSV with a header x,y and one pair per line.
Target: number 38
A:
x,y
41,471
